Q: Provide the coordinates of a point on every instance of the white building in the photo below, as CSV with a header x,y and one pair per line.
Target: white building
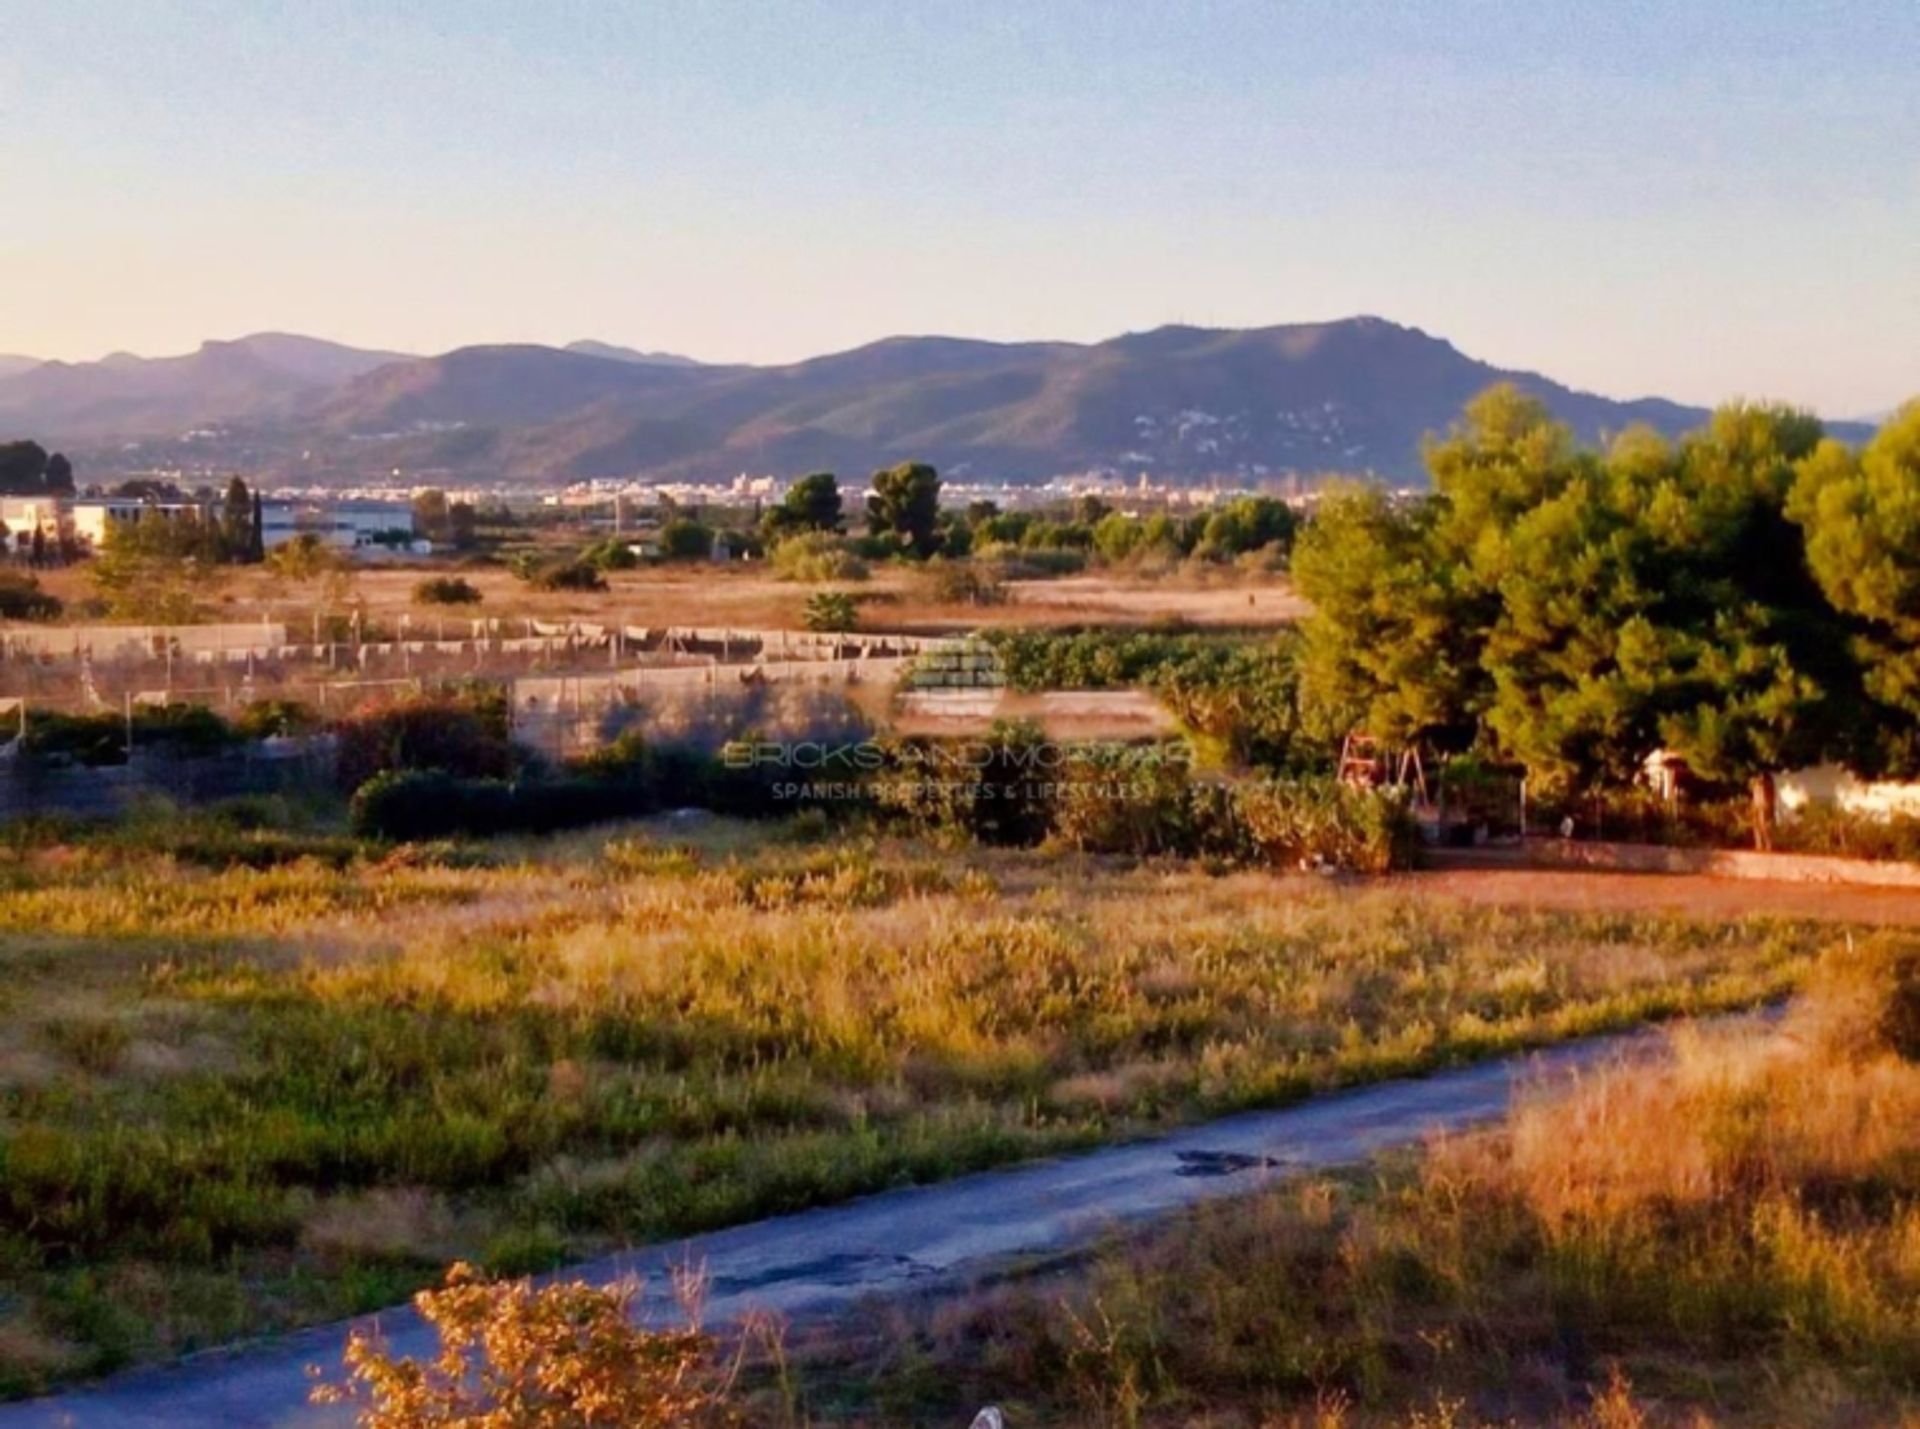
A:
x,y
345,525
21,516
94,516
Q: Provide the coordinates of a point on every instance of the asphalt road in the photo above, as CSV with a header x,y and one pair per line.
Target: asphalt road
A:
x,y
909,1239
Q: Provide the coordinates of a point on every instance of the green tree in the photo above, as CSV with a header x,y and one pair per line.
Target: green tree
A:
x,y
1571,652
463,526
236,522
686,540
431,514
1861,516
59,475
1246,523
1582,609
149,488
1503,458
1762,678
23,469
811,504
1116,537
1387,648
1656,596
157,570
1003,527
905,504
257,531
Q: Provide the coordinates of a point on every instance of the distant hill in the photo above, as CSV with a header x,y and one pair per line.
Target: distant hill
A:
x,y
1181,403
489,386
11,366
125,396
629,354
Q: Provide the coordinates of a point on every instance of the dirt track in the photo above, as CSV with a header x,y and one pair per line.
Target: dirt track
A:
x,y
1689,895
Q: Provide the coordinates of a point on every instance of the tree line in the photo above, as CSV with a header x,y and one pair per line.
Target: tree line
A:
x,y
905,518
1747,597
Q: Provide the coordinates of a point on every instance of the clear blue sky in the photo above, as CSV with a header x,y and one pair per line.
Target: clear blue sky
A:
x,y
1696,199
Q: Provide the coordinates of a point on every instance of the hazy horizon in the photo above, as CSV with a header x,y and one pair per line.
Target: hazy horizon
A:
x,y
1696,204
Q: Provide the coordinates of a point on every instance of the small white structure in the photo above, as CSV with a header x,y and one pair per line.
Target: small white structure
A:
x,y
1665,772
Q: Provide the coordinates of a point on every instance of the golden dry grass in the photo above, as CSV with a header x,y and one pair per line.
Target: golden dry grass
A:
x,y
1734,1232
747,596
235,1098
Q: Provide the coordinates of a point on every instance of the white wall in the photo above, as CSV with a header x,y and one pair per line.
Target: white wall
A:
x,y
1839,788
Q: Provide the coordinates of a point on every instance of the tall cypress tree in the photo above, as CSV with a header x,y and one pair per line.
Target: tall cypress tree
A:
x,y
257,538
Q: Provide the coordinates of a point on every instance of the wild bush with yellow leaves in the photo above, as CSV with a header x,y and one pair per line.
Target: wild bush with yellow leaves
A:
x,y
512,1356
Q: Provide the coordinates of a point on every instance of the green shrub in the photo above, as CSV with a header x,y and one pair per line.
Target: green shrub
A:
x,y
816,556
1241,692
407,805
1016,563
447,590
685,540
568,575
963,583
1824,829
829,611
413,806
998,789
626,779
612,554
1126,799
188,731
22,599
265,719
1321,822
464,737
1057,536
185,731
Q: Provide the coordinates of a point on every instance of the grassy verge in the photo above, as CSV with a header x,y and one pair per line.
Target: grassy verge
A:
x,y
1733,1239
238,1094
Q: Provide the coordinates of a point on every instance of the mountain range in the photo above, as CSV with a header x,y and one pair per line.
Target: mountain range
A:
x,y
1181,403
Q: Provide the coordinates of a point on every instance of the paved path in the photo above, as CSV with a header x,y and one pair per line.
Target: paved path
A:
x,y
911,1238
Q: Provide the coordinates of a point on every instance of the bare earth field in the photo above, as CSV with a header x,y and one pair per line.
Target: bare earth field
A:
x,y
750,597
1100,600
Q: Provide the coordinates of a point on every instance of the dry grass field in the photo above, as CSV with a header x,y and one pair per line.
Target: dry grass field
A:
x,y
254,1079
1732,1238
750,597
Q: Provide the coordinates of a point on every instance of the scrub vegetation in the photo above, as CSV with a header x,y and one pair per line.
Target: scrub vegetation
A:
x,y
1731,1237
255,1075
